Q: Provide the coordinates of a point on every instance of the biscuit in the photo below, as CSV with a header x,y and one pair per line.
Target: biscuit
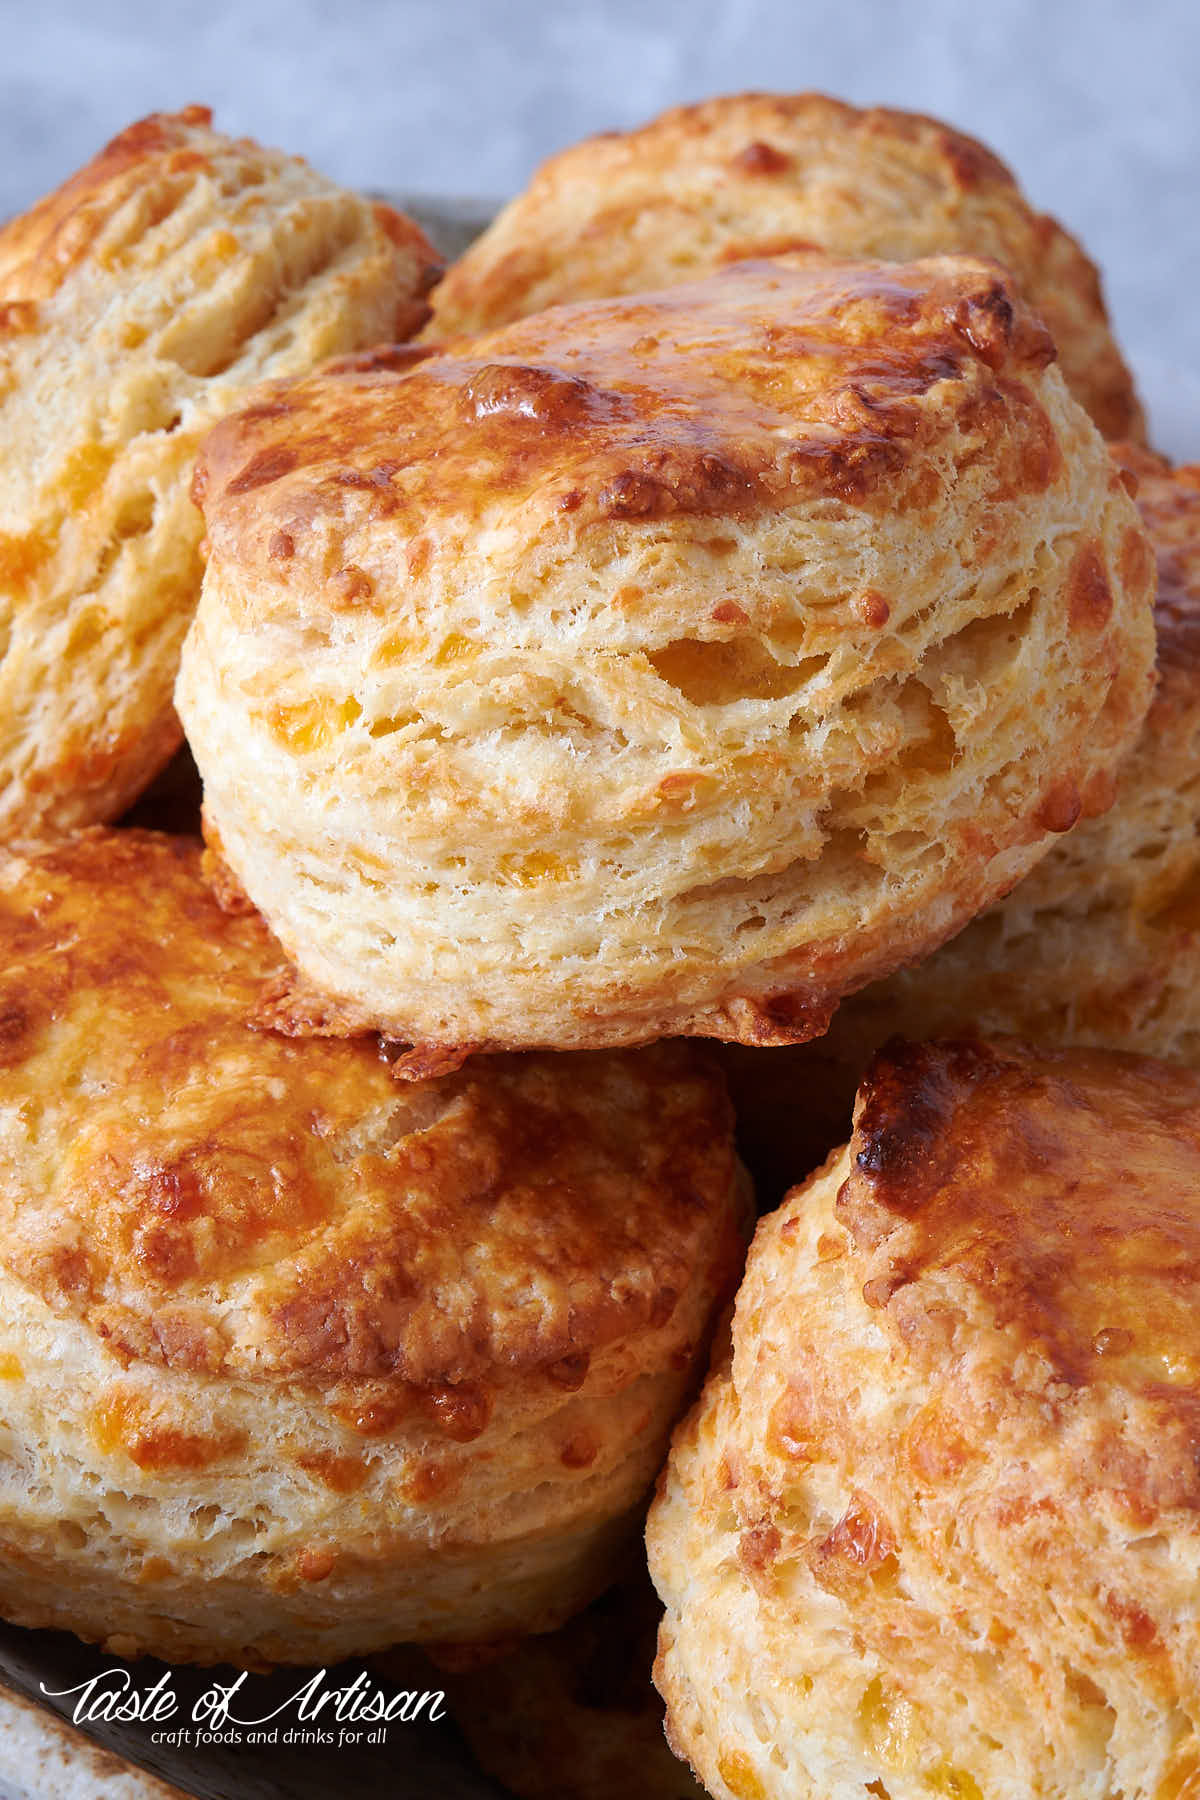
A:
x,y
1099,945
137,302
753,174
297,1360
661,665
934,1526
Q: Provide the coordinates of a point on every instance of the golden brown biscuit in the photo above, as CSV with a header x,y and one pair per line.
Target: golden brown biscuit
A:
x,y
1099,945
755,174
670,664
137,302
934,1527
298,1360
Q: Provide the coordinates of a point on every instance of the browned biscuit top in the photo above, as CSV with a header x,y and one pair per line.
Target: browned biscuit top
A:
x,y
760,174
762,141
212,1196
1028,1219
162,155
766,386
40,247
963,162
139,302
934,1525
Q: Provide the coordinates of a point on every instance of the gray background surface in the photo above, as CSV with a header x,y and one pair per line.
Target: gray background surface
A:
x,y
1095,103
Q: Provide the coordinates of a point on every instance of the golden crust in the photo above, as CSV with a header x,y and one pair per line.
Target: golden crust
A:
x,y
668,406
719,648
1057,1192
301,1212
137,302
758,174
456,1315
42,248
941,1496
1099,945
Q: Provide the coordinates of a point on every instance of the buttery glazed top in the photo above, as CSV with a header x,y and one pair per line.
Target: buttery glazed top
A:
x,y
752,175
40,248
209,1195
1042,1210
770,385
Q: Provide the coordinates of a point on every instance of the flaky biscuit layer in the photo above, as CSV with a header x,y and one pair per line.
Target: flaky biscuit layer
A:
x,y
934,1527
137,303
669,664
757,174
298,1360
1099,945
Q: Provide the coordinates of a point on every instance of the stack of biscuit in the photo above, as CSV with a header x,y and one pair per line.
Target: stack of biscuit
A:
x,y
718,610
